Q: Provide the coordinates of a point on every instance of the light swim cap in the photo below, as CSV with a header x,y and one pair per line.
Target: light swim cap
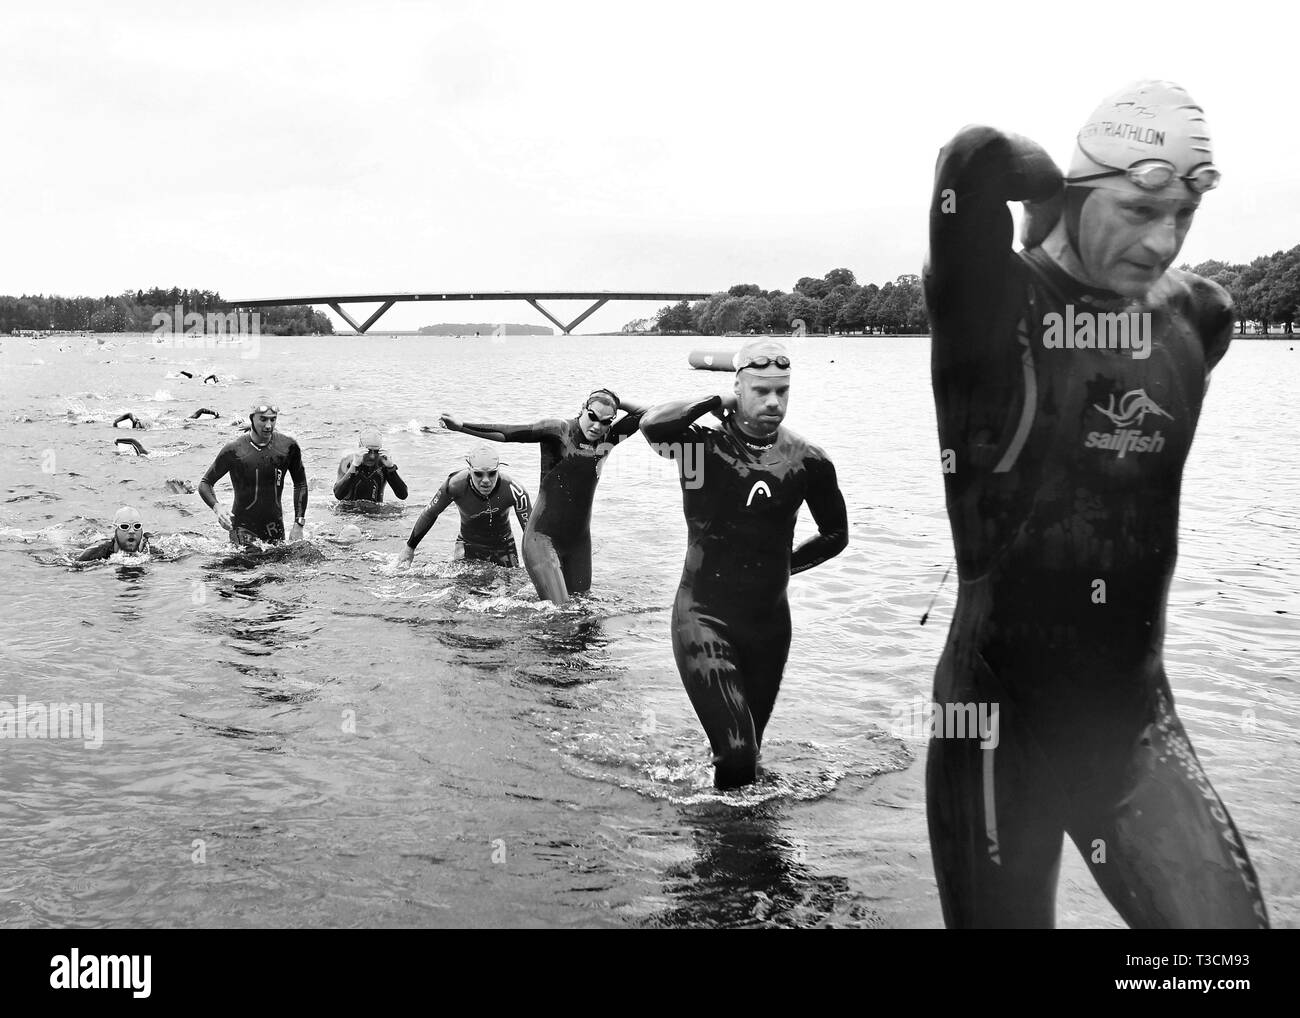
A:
x,y
264,404
371,439
483,457
1143,120
127,514
759,348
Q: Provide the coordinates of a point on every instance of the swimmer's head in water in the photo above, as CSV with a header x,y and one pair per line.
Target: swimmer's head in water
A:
x,y
484,467
1141,163
598,414
762,385
128,528
262,414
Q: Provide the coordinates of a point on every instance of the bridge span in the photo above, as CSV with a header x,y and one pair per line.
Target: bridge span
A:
x,y
387,300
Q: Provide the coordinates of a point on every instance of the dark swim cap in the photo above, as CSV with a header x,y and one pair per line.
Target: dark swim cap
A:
x,y
602,396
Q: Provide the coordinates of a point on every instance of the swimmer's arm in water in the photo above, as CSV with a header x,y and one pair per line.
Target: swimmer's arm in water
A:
x,y
826,503
299,474
98,551
432,511
220,467
965,274
666,423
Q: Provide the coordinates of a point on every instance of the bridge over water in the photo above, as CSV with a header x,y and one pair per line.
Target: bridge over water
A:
x,y
387,300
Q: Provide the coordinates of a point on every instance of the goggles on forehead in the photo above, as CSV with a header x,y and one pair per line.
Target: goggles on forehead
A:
x,y
1157,174
763,361
266,408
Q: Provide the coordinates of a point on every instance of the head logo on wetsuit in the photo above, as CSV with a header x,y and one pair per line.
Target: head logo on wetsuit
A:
x,y
1127,437
759,488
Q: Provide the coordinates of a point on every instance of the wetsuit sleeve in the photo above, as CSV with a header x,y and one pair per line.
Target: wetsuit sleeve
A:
x,y
396,483
1216,316
220,467
538,431
99,551
523,504
344,485
978,172
826,503
628,426
668,423
432,511
299,474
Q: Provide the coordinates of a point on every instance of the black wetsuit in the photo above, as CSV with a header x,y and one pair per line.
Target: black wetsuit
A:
x,y
557,540
484,519
257,475
1062,475
109,547
365,485
731,619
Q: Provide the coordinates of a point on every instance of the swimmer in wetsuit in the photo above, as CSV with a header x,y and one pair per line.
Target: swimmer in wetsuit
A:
x,y
557,540
363,474
742,486
1063,460
257,462
128,537
485,496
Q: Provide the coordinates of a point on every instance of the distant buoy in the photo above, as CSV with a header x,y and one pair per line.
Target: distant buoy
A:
x,y
130,447
351,533
712,360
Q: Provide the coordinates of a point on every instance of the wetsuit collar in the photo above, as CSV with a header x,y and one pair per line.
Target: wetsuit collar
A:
x,y
1065,283
751,443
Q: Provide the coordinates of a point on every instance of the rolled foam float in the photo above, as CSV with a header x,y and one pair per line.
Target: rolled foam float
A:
x,y
712,360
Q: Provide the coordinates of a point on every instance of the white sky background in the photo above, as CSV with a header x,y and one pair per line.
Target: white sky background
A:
x,y
276,149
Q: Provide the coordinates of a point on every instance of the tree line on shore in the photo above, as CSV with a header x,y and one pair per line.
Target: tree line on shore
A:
x,y
1266,291
134,312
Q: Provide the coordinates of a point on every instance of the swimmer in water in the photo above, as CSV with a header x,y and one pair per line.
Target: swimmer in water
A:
x,y
485,496
742,486
257,462
203,413
364,474
131,420
1063,459
557,540
128,537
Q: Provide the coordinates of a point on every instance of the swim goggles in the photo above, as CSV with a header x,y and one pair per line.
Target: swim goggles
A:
x,y
128,527
604,422
1157,174
266,408
763,361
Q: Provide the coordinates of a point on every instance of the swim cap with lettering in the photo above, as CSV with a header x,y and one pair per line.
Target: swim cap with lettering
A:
x,y
1143,120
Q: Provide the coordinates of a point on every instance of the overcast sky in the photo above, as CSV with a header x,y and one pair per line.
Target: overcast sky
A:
x,y
268,149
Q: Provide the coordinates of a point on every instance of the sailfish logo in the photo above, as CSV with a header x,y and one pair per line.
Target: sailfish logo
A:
x,y
759,487
1134,405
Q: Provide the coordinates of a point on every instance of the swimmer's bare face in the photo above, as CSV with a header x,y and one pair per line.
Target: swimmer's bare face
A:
x,y
263,426
483,480
762,398
595,420
1128,239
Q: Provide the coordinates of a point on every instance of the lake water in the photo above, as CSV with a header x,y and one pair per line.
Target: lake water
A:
x,y
315,738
